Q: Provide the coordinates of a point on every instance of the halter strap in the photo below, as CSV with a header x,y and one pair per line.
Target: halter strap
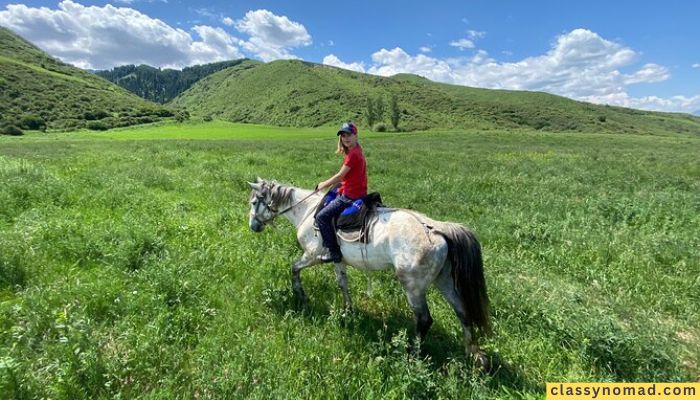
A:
x,y
278,213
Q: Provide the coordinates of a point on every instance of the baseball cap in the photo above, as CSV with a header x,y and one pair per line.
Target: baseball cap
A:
x,y
347,127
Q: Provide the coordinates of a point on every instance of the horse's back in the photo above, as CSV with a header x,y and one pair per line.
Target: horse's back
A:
x,y
398,238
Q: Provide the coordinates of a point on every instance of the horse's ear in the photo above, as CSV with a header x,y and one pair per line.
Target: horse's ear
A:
x,y
254,186
258,180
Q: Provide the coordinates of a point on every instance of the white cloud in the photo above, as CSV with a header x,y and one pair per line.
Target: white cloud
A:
x,y
580,65
462,44
696,65
425,49
474,35
334,61
648,73
671,104
392,62
104,37
96,37
272,36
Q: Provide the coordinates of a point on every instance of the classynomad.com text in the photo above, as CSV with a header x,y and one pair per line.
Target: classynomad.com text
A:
x,y
623,391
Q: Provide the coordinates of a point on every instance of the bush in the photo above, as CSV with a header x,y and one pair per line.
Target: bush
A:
x,y
11,130
602,118
207,118
32,122
164,112
97,126
380,127
101,114
182,116
145,119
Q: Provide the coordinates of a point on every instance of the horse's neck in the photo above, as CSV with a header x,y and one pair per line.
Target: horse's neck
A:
x,y
302,203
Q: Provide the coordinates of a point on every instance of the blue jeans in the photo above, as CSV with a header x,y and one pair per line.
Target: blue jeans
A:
x,y
324,220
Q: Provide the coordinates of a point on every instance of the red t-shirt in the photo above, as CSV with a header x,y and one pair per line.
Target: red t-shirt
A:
x,y
355,181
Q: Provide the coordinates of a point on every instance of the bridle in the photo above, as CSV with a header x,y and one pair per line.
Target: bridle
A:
x,y
272,209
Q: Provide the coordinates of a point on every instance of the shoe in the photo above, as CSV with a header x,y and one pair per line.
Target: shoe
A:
x,y
331,257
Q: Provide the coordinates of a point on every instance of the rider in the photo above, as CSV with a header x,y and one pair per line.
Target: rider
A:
x,y
353,179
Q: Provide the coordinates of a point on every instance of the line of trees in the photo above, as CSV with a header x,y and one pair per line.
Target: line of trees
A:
x,y
376,109
161,85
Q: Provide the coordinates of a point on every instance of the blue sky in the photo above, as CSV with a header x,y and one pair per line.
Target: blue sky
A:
x,y
629,53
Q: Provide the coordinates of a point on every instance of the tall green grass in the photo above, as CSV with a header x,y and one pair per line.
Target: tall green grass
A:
x,y
127,268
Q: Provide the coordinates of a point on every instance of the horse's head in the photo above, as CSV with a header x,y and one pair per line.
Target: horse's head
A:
x,y
262,210
266,201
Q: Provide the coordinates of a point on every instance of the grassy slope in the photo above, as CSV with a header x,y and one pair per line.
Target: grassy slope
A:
x,y
34,83
296,93
128,268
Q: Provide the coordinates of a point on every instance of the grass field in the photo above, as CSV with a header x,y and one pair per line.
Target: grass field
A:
x,y
127,268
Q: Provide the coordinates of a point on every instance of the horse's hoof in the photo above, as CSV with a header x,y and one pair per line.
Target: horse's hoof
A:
x,y
482,361
300,296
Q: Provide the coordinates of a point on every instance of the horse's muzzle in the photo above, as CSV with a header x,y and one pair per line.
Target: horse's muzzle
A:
x,y
256,226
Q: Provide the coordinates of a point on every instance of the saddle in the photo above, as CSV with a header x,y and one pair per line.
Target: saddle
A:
x,y
353,223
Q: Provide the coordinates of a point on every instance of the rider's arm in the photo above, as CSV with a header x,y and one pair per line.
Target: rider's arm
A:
x,y
335,179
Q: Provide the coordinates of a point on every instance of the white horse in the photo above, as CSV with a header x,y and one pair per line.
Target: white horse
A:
x,y
421,251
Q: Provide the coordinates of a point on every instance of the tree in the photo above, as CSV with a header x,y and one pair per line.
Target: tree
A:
x,y
395,112
371,113
379,108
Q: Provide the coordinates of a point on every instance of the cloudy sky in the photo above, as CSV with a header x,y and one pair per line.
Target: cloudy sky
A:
x,y
641,54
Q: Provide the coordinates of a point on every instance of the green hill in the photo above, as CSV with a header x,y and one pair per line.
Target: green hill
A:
x,y
162,85
38,92
297,93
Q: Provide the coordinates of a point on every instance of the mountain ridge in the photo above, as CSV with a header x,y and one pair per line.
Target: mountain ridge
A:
x,y
301,93
162,85
40,92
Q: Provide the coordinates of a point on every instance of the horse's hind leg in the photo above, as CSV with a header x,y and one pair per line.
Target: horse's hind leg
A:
x,y
415,293
446,285
341,277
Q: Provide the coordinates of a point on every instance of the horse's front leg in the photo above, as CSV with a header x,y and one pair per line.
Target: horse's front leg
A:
x,y
304,262
341,277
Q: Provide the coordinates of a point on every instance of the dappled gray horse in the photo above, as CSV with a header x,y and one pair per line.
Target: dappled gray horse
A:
x,y
421,251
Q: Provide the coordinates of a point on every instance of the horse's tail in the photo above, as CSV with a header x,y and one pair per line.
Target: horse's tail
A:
x,y
464,253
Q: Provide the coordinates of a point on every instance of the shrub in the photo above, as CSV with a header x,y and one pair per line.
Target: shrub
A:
x,y
602,118
182,116
207,118
145,119
32,122
380,127
97,126
163,112
101,114
11,130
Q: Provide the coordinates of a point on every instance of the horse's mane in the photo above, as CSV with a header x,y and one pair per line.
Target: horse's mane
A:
x,y
279,194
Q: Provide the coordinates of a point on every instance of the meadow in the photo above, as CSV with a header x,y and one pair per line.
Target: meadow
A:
x,y
127,268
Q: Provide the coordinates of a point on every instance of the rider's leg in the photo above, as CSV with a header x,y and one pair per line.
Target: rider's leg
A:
x,y
324,220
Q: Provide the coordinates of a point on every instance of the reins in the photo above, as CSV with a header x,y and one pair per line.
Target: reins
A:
x,y
276,212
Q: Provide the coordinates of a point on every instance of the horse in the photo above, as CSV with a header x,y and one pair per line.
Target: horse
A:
x,y
420,250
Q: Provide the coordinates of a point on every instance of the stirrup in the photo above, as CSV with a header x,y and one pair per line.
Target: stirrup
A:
x,y
330,257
